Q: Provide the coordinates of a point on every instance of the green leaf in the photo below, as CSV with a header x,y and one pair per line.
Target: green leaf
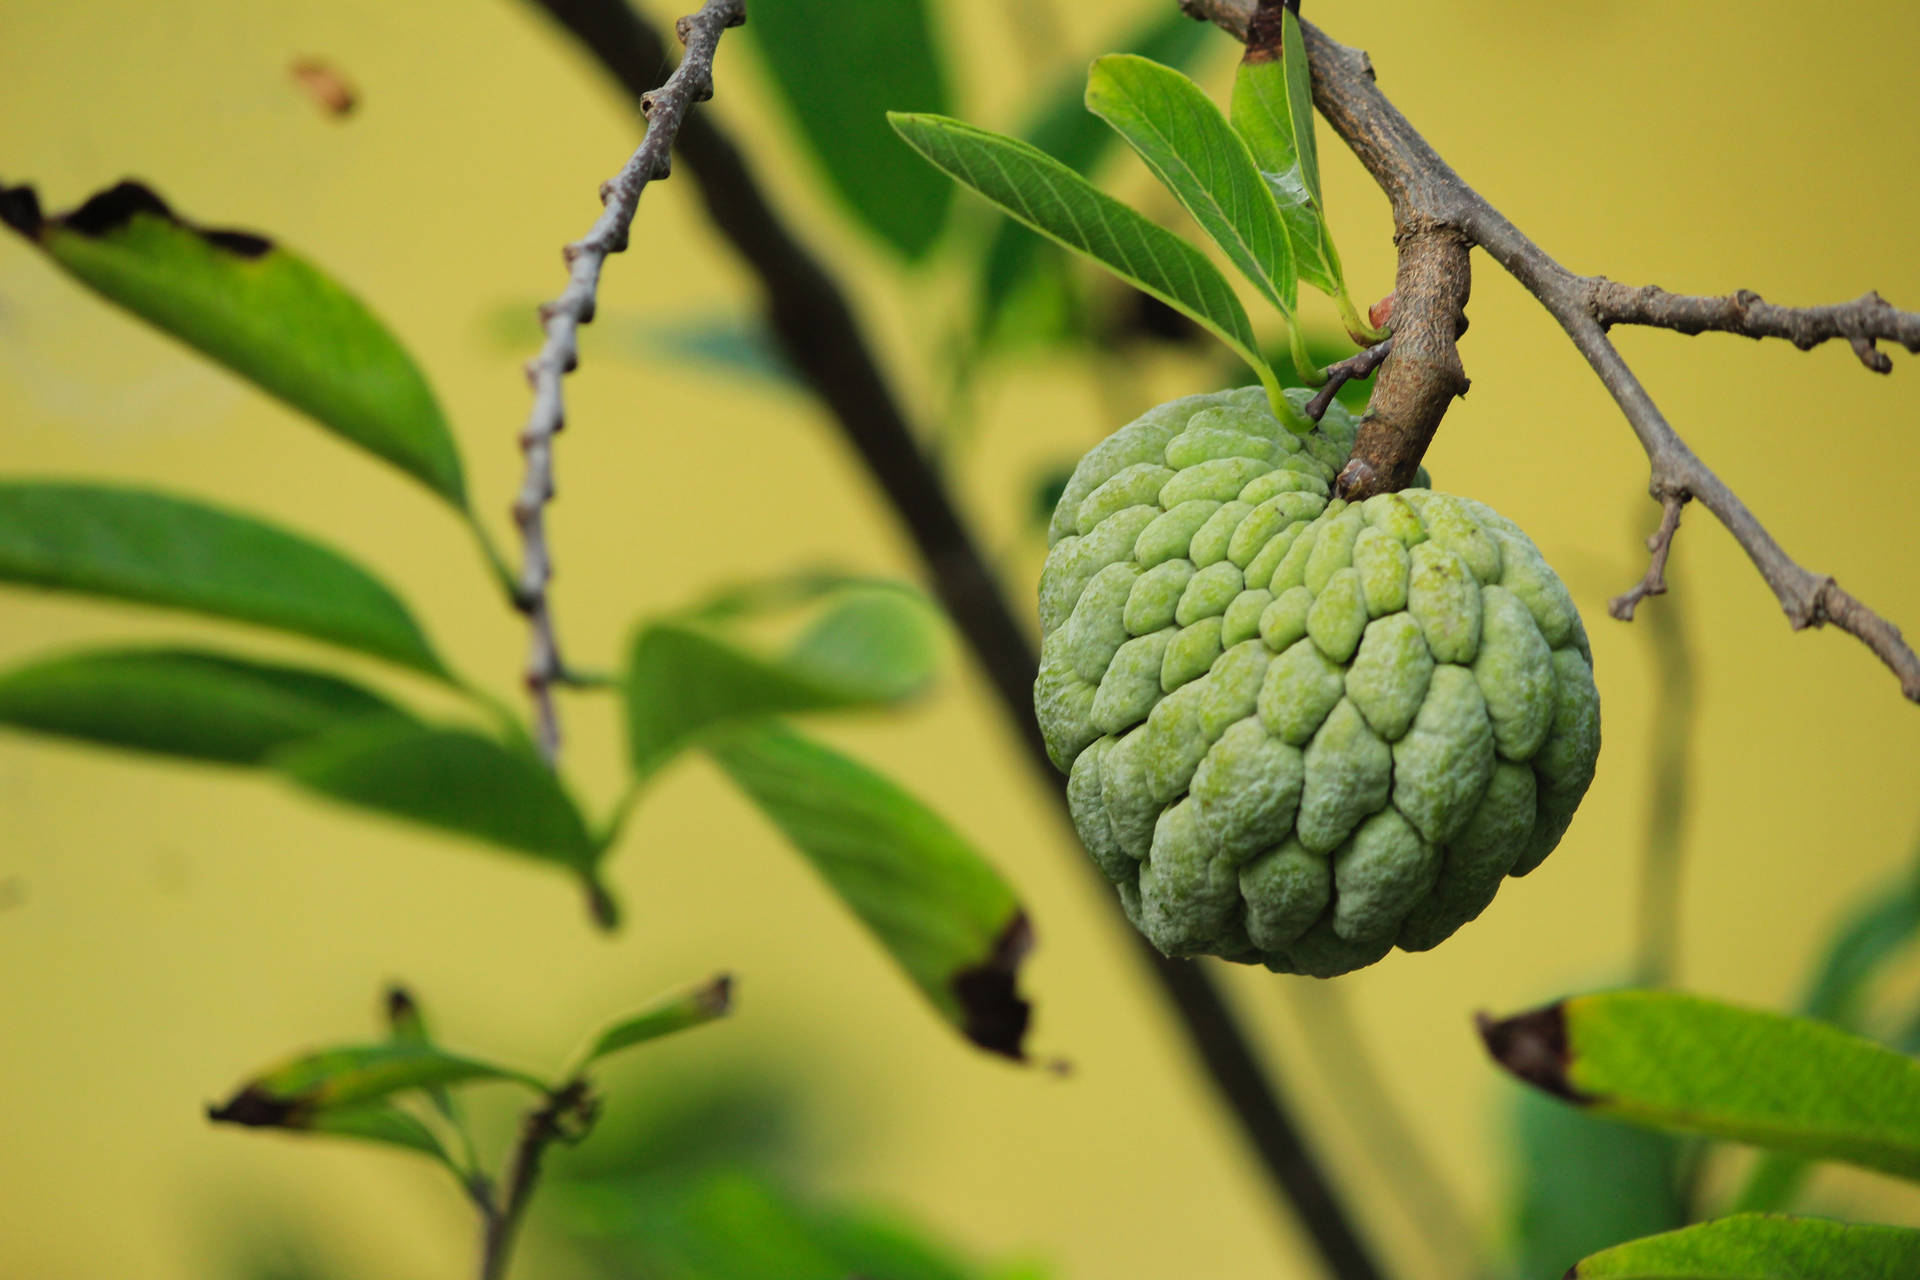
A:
x,y
182,702
1762,1247
1192,149
383,1124
452,779
729,346
1293,57
1062,127
1691,1065
258,309
293,1093
1878,931
686,679
839,66
743,1224
1263,115
681,1011
876,645
1057,202
939,908
135,545
751,596
406,1024
1583,1182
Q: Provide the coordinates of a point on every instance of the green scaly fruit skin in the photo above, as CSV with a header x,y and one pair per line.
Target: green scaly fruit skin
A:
x,y
1299,731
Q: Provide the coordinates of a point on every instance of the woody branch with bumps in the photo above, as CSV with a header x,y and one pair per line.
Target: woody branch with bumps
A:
x,y
1438,218
666,108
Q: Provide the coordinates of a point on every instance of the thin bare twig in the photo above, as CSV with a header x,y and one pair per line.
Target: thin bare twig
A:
x,y
1661,545
1866,320
808,308
570,1105
665,107
1341,372
1434,208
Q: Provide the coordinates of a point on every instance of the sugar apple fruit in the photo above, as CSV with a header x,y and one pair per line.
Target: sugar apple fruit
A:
x,y
1300,731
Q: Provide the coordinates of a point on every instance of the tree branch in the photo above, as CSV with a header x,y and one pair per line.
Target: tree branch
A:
x,y
666,110
810,312
1661,545
1341,372
1430,200
1866,320
539,1129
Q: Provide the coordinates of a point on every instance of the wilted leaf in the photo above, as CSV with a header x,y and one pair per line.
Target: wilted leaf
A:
x,y
147,547
293,1093
935,904
258,309
685,679
679,1012
452,779
182,702
1192,149
840,66
1762,1247
1690,1065
1057,202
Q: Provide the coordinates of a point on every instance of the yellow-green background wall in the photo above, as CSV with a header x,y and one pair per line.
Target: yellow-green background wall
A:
x,y
166,929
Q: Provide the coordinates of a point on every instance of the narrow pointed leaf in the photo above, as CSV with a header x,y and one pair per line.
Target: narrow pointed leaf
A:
x,y
839,66
1262,114
1192,149
260,310
183,702
386,1125
879,644
1762,1247
1293,59
1584,1182
738,1222
755,596
290,1094
1690,1065
1061,126
451,779
939,908
131,544
1881,929
681,1011
1057,202
407,1024
686,679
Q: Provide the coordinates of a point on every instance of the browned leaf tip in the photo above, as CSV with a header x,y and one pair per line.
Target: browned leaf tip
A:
x,y
256,1108
994,1015
1533,1046
322,82
716,997
402,1009
110,210
20,209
